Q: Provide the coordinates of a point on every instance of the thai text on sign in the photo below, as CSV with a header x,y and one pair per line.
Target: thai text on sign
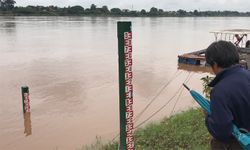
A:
x,y
128,90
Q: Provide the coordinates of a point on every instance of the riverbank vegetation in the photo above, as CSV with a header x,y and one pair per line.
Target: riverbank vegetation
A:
x,y
7,7
182,131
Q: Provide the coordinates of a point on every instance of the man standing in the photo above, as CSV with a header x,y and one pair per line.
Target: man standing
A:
x,y
230,96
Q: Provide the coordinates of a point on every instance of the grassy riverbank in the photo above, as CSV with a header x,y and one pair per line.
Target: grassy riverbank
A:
x,y
180,132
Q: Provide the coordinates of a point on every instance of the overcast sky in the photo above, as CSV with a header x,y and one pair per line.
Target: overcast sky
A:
x,y
239,5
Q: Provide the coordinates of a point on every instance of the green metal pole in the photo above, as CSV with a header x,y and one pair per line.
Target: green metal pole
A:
x,y
25,99
125,85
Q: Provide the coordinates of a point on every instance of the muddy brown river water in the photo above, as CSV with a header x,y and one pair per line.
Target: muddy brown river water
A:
x,y
71,67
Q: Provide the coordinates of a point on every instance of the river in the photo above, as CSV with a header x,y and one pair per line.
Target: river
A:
x,y
71,67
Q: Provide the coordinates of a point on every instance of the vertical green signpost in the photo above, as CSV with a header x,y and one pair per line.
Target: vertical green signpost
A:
x,y
26,110
125,86
25,99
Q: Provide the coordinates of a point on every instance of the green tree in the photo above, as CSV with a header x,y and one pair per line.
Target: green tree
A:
x,y
161,12
133,13
105,9
76,10
25,10
7,4
143,12
1,5
181,13
116,11
153,11
196,13
93,7
207,89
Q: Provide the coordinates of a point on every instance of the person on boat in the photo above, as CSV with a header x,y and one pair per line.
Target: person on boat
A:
x,y
238,39
230,96
248,44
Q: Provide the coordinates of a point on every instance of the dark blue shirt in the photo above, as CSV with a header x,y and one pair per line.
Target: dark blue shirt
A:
x,y
230,102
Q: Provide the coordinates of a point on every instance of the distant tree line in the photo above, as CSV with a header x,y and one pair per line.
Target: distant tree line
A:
x,y
7,8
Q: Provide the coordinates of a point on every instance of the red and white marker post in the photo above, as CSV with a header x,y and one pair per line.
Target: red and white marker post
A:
x,y
125,86
129,90
26,99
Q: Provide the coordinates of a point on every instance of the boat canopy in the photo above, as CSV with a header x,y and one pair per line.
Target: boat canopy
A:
x,y
233,31
237,36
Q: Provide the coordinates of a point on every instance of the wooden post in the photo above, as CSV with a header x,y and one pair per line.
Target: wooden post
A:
x,y
25,99
125,86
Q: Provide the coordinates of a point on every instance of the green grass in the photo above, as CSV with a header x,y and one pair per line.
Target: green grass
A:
x,y
179,132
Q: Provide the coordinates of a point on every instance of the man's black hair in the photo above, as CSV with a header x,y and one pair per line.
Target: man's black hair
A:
x,y
223,53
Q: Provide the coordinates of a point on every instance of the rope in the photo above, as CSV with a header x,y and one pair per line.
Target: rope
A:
x,y
172,111
180,95
151,116
155,97
115,137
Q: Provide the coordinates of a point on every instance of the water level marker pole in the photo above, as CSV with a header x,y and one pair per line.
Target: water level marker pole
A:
x,y
25,99
125,86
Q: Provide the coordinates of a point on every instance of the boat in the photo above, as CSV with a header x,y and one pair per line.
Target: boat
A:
x,y
239,37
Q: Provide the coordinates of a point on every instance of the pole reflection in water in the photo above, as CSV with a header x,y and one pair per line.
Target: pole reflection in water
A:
x,y
27,124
